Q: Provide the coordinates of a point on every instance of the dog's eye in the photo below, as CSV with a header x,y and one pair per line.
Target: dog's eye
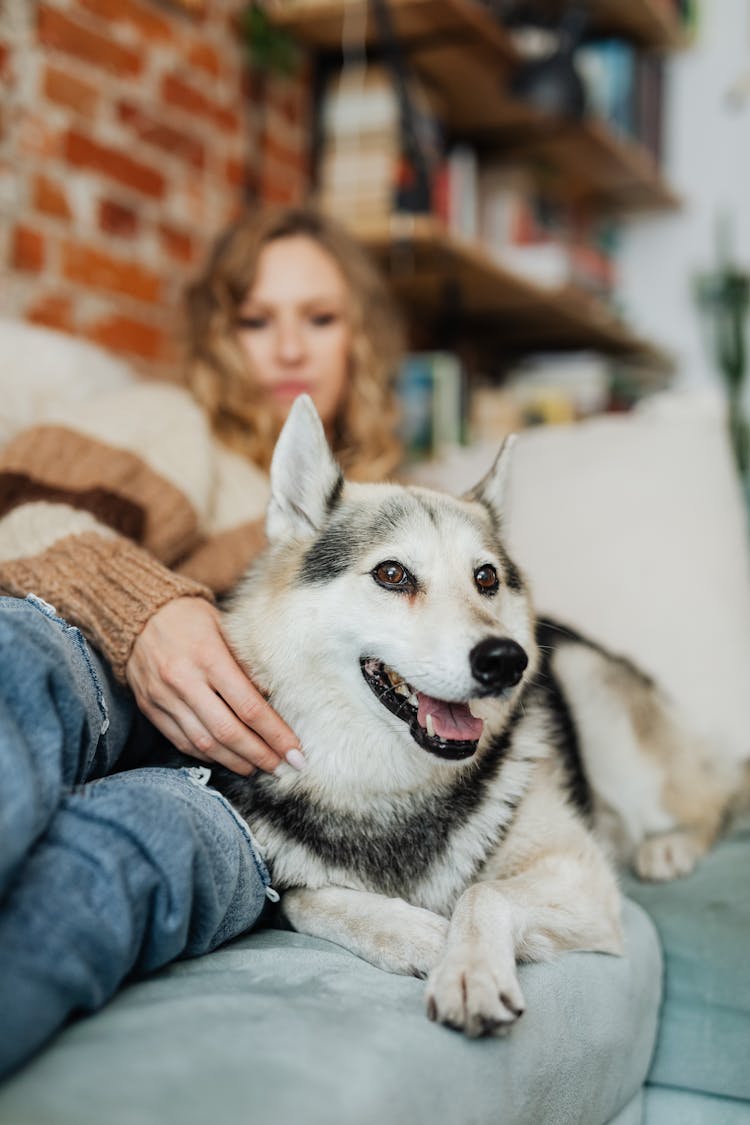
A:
x,y
393,576
486,579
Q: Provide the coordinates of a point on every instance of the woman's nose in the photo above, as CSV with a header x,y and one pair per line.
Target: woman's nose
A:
x,y
290,344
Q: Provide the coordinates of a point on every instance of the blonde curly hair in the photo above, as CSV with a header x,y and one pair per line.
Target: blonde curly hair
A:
x,y
218,370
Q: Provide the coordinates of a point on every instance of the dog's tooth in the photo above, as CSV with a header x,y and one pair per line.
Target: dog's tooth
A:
x,y
430,726
402,689
414,701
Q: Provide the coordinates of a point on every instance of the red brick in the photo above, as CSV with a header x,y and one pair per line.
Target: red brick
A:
x,y
253,86
57,30
98,270
114,218
54,310
293,159
82,152
177,243
196,8
125,334
27,250
145,20
176,92
62,87
204,56
292,104
36,137
236,172
275,190
50,198
155,132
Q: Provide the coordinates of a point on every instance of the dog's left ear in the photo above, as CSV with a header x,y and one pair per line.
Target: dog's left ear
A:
x,y
306,482
492,488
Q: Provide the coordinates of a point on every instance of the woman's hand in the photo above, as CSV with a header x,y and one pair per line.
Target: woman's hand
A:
x,y
187,682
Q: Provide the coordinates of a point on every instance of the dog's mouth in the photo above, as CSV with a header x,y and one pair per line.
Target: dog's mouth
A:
x,y
447,730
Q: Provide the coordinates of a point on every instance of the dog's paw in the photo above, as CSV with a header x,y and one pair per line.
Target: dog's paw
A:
x,y
466,992
412,941
669,855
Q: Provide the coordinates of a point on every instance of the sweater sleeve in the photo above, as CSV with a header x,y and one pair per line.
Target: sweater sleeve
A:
x,y
95,512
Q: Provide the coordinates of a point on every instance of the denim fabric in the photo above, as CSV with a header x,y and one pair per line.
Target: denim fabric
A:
x,y
102,875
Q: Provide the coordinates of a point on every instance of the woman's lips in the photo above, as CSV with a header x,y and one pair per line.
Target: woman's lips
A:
x,y
290,388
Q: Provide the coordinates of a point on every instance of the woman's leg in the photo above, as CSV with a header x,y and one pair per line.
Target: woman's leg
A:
x,y
62,721
120,876
134,871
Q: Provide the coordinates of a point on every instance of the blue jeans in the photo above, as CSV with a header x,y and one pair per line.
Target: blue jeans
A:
x,y
102,875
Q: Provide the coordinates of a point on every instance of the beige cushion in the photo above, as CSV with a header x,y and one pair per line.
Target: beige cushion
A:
x,y
40,368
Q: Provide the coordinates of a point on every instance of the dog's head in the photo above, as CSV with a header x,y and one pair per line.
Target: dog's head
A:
x,y
384,604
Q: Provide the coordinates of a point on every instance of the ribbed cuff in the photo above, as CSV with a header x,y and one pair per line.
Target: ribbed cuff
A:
x,y
105,585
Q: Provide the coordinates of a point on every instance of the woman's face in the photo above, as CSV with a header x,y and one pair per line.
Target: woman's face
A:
x,y
294,326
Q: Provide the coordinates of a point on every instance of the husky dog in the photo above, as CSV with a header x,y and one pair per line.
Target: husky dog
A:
x,y
464,763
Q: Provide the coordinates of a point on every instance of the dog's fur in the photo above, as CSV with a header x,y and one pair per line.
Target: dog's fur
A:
x,y
427,854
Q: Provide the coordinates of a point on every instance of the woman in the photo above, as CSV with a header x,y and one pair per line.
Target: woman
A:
x,y
129,516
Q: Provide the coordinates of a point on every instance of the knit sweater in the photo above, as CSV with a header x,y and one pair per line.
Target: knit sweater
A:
x,y
120,505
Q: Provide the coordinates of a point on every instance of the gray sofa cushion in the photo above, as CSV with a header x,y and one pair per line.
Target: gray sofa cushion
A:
x,y
704,925
278,1028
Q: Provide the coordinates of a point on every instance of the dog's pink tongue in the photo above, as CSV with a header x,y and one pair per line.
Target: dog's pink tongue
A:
x,y
450,720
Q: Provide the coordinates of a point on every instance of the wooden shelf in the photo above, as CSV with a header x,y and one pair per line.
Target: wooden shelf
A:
x,y
590,163
322,23
465,59
430,269
647,22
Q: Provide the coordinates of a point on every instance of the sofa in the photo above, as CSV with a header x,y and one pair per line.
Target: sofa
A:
x,y
633,529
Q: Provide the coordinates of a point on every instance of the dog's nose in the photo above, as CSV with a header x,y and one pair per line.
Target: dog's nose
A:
x,y
497,663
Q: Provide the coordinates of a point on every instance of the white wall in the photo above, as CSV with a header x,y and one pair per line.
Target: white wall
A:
x,y
707,161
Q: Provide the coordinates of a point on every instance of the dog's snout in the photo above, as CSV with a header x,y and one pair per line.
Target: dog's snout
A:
x,y
497,663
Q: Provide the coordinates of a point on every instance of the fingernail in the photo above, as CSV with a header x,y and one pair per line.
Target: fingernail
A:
x,y
296,758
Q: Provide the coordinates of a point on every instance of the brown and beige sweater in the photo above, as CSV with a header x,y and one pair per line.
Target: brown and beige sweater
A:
x,y
122,504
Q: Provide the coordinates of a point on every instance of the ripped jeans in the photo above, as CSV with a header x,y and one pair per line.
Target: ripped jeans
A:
x,y
103,875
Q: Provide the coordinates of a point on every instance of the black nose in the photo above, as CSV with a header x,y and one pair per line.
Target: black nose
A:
x,y
497,663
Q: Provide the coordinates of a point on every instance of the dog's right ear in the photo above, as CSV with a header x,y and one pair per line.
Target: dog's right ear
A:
x,y
306,482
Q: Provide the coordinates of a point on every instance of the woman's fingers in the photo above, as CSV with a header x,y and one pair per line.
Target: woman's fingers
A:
x,y
255,713
215,731
190,736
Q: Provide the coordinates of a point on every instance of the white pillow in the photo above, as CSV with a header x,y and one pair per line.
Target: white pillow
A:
x,y
40,368
632,528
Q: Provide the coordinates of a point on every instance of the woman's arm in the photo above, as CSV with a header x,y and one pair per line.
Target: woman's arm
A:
x,y
92,527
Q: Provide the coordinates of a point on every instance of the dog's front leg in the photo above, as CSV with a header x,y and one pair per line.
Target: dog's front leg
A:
x,y
387,932
475,988
558,903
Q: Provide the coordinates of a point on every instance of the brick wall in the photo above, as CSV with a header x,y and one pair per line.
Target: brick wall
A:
x,y
131,131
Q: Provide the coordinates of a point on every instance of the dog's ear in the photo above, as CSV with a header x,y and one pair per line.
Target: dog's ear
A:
x,y
306,482
492,488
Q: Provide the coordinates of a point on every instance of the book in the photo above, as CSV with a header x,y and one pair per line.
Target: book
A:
x,y
608,71
456,192
362,167
431,388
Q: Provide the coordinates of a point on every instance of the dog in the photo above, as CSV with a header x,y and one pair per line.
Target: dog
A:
x,y
473,774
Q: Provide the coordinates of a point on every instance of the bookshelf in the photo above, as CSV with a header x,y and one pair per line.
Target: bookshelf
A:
x,y
465,59
428,266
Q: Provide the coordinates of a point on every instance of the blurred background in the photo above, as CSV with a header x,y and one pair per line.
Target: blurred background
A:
x,y
556,191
